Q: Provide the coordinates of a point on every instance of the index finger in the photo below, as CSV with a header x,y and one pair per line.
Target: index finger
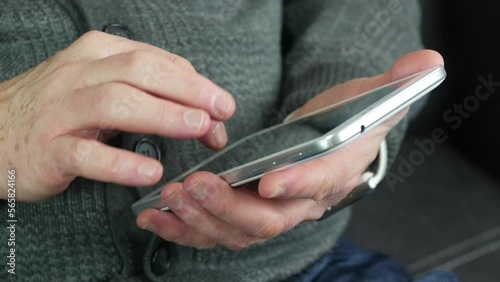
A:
x,y
160,76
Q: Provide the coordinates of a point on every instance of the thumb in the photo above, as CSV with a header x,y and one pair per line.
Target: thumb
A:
x,y
408,64
412,63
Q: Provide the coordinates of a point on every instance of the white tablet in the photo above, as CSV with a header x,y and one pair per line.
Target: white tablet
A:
x,y
322,132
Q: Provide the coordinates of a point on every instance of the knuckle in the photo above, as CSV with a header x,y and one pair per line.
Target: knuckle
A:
x,y
319,211
65,71
241,242
331,182
113,164
56,176
137,60
150,69
217,226
194,218
235,245
112,106
108,44
91,37
182,62
222,203
65,68
271,228
162,118
79,152
102,100
317,215
325,188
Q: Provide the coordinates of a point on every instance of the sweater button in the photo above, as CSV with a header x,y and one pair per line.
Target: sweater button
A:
x,y
118,30
148,148
160,261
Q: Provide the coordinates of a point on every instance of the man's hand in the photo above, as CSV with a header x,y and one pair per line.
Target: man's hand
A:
x,y
207,211
53,116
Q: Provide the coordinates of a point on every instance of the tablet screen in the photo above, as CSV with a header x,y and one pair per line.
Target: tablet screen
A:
x,y
284,136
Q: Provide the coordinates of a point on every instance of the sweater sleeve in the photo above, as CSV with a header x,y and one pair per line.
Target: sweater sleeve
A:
x,y
329,42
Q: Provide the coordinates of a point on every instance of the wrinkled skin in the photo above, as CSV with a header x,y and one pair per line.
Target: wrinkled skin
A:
x,y
54,116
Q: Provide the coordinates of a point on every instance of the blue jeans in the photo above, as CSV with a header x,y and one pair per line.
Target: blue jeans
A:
x,y
347,262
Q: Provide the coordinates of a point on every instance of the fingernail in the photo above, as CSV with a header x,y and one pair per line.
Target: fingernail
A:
x,y
291,116
222,103
174,201
148,170
219,135
194,119
146,225
197,190
279,192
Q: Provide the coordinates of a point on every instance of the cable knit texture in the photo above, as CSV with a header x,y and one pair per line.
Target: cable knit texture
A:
x,y
271,55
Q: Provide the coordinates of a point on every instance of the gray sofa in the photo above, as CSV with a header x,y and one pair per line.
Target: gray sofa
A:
x,y
445,212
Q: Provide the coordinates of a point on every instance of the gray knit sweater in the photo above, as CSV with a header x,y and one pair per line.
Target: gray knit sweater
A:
x,y
271,55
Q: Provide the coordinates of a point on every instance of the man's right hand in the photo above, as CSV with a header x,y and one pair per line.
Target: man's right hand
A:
x,y
52,117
